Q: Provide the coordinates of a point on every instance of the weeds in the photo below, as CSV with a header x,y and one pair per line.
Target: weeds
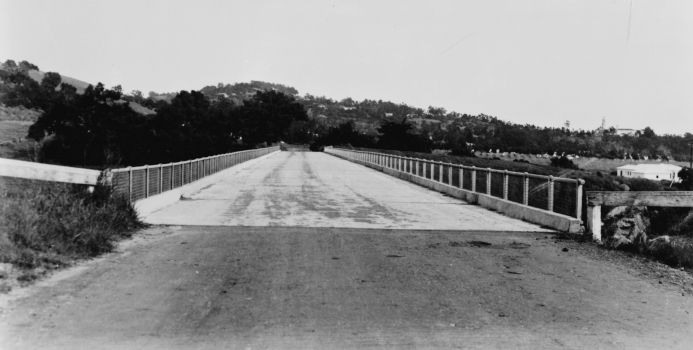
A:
x,y
51,224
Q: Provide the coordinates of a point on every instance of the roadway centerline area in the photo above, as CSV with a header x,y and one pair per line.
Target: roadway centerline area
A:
x,y
307,189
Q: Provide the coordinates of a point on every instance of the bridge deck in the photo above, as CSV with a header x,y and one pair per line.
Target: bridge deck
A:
x,y
318,190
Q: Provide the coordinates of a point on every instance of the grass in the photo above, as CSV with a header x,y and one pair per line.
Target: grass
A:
x,y
78,84
47,225
585,163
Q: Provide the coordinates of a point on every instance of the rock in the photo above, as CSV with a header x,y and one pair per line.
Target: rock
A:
x,y
626,227
616,212
624,187
616,183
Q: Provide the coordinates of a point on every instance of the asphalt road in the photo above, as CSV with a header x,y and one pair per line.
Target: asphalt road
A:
x,y
281,287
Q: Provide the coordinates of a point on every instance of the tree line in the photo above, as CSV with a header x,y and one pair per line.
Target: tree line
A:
x,y
99,129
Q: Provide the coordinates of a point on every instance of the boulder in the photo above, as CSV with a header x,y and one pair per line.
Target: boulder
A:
x,y
626,227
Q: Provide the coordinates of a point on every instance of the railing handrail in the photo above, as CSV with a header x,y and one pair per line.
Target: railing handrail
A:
x,y
472,167
48,172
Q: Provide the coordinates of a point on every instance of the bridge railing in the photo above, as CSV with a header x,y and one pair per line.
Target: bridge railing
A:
x,y
144,181
554,194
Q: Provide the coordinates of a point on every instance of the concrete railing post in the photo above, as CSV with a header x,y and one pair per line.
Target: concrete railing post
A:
x,y
525,190
578,199
488,182
450,174
594,222
130,183
505,185
161,179
550,199
433,171
440,176
146,181
473,178
424,165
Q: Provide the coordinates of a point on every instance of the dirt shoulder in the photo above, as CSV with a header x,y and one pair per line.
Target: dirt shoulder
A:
x,y
277,287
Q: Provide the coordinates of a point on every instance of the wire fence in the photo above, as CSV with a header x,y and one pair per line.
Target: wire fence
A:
x,y
142,182
554,194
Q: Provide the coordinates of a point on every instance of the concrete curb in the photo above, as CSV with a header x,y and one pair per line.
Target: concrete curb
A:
x,y
149,205
514,210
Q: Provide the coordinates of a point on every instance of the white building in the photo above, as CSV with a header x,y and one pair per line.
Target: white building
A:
x,y
650,171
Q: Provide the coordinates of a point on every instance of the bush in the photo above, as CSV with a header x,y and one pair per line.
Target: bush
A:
x,y
54,223
563,162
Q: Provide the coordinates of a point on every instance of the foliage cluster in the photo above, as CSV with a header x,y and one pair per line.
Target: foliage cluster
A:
x,y
98,128
51,223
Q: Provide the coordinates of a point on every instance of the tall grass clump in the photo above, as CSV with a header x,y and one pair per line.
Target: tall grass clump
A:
x,y
54,223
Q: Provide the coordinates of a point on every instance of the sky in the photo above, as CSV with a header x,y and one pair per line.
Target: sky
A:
x,y
541,62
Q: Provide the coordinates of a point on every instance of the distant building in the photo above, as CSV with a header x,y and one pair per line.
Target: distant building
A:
x,y
650,171
628,132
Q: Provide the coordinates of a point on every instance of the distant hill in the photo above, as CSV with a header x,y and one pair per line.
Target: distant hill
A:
x,y
80,85
38,75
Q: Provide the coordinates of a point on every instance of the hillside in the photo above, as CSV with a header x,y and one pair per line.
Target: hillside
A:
x,y
80,85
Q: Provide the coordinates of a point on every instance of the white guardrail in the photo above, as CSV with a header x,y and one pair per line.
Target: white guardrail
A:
x,y
134,182
553,194
48,172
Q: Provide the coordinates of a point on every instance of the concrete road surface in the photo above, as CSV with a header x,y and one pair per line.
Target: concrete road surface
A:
x,y
318,190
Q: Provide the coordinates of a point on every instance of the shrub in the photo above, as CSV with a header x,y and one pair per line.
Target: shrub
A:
x,y
563,162
53,223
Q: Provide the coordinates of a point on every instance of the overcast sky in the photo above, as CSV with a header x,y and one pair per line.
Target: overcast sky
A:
x,y
541,62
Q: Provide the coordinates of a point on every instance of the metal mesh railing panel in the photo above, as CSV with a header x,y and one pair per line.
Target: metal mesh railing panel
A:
x,y
121,183
516,185
497,180
538,193
467,179
177,175
166,173
138,184
153,181
456,176
481,180
564,201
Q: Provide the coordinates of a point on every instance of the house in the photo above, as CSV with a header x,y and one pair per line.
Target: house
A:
x,y
650,171
627,132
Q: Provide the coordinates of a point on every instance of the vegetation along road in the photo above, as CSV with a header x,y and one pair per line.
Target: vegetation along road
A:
x,y
303,250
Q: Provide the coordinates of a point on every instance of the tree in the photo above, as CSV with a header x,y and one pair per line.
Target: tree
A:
x,y
686,176
265,117
648,132
26,66
51,81
88,129
397,136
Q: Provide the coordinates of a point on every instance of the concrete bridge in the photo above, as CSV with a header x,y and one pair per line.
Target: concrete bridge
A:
x,y
299,250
